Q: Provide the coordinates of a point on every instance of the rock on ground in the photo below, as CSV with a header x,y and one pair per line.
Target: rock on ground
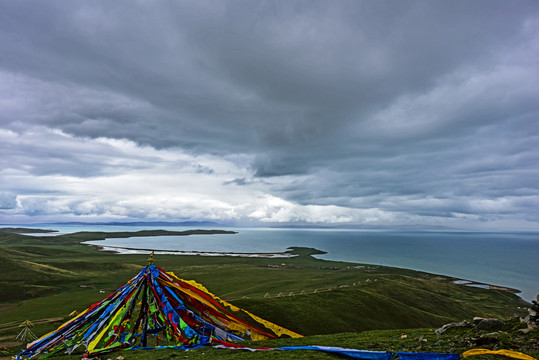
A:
x,y
489,324
463,323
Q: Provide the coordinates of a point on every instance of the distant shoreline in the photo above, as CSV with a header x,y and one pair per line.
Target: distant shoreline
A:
x,y
128,251
284,255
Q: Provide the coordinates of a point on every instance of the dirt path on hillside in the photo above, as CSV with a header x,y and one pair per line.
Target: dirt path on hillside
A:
x,y
16,324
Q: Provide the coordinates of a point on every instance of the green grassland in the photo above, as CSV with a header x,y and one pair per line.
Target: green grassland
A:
x,y
333,303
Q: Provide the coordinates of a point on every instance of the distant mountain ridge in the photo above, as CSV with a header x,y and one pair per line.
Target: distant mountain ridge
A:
x,y
144,223
22,230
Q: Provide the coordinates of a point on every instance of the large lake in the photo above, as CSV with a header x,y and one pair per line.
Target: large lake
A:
x,y
505,259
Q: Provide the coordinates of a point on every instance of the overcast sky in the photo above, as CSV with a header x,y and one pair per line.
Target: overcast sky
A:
x,y
406,114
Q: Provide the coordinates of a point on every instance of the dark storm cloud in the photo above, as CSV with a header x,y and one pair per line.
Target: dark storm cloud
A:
x,y
279,73
420,107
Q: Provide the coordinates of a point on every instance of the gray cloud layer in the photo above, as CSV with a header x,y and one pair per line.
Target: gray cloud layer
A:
x,y
419,108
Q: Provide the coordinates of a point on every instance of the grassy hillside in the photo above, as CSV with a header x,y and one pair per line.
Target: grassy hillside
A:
x,y
365,297
49,277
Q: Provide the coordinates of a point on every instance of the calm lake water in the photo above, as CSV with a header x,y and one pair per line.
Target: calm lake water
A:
x,y
505,259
